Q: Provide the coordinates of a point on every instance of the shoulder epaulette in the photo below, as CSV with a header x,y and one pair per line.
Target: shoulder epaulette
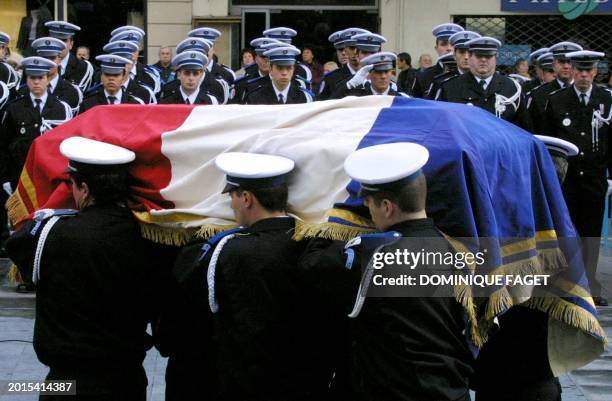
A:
x,y
331,72
250,81
535,89
388,237
305,90
92,90
450,79
44,214
214,240
241,78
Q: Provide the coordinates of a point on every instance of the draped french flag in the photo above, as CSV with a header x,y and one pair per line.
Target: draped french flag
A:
x,y
489,184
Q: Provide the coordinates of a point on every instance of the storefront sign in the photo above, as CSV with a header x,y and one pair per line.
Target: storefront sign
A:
x,y
571,9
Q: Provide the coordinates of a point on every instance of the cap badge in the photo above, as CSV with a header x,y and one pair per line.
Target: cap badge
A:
x,y
193,42
47,42
121,44
285,51
36,62
193,55
566,122
564,47
112,60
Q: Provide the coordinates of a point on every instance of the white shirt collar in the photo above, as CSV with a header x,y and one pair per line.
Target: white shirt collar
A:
x,y
284,92
386,92
43,99
210,66
563,84
118,95
487,80
53,83
192,98
348,65
588,93
64,64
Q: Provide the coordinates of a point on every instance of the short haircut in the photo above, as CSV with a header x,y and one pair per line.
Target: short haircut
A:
x,y
410,197
248,50
84,47
405,57
272,199
105,189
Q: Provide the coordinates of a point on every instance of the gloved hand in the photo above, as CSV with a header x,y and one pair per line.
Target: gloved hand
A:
x,y
360,77
7,188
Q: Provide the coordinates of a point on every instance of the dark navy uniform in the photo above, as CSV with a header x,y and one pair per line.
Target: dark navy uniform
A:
x,y
265,94
400,348
405,80
65,91
424,78
242,84
220,71
98,97
137,89
585,185
437,82
78,72
465,89
530,85
22,124
176,97
536,104
366,90
143,77
209,84
331,81
95,295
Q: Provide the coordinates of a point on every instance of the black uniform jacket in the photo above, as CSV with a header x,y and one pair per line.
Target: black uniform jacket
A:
x,y
424,78
399,348
331,81
176,97
220,71
96,293
265,94
98,98
366,90
21,124
465,89
568,119
143,77
405,80
265,341
65,91
209,85
536,104
75,70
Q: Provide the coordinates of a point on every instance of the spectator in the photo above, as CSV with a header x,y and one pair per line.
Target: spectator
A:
x,y
407,74
425,61
308,58
329,66
164,65
247,59
521,67
83,53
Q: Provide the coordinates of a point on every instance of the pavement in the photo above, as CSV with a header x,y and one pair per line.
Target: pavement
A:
x,y
18,360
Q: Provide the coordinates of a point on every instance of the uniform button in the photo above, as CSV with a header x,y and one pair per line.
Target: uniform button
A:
x,y
581,153
582,173
582,134
35,125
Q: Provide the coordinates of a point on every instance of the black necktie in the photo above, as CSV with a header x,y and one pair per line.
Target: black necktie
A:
x,y
483,84
37,106
280,99
187,101
112,99
583,99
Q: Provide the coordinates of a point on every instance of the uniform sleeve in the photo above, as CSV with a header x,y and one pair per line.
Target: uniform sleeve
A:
x,y
548,124
522,118
21,247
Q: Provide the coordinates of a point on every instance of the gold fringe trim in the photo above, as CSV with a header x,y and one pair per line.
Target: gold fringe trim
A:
x,y
165,235
16,209
463,295
208,230
14,276
568,313
335,231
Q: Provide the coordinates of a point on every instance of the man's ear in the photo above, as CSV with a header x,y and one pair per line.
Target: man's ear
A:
x,y
248,199
388,208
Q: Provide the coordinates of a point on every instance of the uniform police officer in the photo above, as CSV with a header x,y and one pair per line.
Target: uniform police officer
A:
x,y
280,88
95,280
400,348
581,114
533,60
250,82
113,71
79,72
484,87
331,79
7,74
51,49
218,71
538,96
442,33
286,35
379,82
28,116
189,66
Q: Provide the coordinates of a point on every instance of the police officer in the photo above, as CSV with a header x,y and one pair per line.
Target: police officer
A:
x,y
484,87
79,72
449,65
132,84
379,82
27,117
346,38
95,280
218,71
580,113
249,82
113,71
538,96
403,347
537,80
365,44
331,79
442,33
286,35
8,75
280,89
51,49
564,77
189,66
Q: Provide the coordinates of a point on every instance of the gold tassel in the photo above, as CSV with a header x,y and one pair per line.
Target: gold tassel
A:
x,y
334,231
569,314
16,210
166,236
14,276
207,231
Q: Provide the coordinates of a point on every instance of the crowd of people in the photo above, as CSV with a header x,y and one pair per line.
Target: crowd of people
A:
x,y
252,314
